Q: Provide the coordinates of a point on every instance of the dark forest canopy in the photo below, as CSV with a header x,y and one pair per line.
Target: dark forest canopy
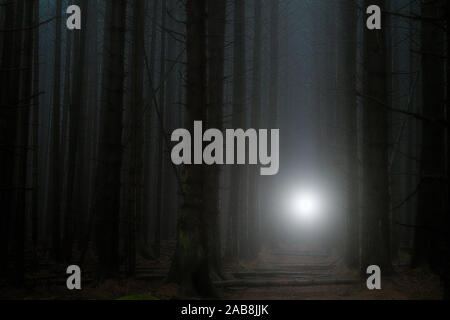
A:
x,y
87,117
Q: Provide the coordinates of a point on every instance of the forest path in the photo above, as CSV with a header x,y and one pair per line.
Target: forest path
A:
x,y
289,273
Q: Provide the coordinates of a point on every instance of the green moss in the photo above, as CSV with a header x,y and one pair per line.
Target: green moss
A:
x,y
243,265
183,240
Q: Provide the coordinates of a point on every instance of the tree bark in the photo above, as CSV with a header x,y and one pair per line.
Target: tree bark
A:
x,y
347,77
148,130
35,142
272,115
110,140
136,161
190,268
445,278
236,213
54,170
431,196
216,51
78,104
253,189
22,138
159,149
375,220
7,133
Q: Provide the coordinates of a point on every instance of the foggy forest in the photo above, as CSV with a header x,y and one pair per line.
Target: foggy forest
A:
x,y
87,176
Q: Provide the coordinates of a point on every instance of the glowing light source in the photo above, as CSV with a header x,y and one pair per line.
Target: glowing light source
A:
x,y
306,206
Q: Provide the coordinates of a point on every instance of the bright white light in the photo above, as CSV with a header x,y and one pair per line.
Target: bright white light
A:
x,y
306,205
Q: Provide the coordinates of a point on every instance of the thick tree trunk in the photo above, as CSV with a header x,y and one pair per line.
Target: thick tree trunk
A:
x,y
54,171
431,196
236,213
148,130
60,167
170,188
159,149
6,134
110,140
136,161
375,220
35,178
190,268
76,110
22,137
445,278
85,223
216,50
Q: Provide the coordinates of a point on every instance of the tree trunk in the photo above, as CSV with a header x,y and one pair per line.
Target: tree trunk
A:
x,y
216,50
347,77
272,116
55,172
110,140
148,128
190,268
236,213
76,108
35,142
431,196
159,149
22,137
66,97
7,132
93,93
60,167
445,279
253,189
136,161
375,220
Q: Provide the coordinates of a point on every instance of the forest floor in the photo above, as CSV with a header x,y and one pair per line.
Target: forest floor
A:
x,y
296,275
287,273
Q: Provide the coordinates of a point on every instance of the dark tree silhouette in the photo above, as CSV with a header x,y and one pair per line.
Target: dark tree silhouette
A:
x,y
190,268
375,245
107,203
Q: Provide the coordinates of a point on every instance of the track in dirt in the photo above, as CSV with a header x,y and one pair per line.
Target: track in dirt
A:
x,y
279,274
